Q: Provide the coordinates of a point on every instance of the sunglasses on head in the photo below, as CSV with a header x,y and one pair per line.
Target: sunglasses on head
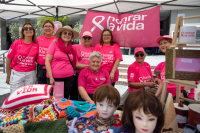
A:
x,y
69,34
141,55
85,38
26,28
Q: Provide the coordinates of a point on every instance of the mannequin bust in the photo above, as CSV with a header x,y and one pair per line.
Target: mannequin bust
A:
x,y
142,113
106,99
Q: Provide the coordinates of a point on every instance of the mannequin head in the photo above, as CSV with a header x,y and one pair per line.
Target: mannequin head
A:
x,y
142,113
106,99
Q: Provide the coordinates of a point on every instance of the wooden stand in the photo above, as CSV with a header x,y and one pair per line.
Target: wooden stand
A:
x,y
190,84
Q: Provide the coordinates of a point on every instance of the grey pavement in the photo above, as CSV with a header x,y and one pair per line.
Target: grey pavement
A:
x,y
153,60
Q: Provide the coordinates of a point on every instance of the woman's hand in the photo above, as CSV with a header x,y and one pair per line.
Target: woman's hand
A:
x,y
8,80
52,81
54,40
112,76
150,84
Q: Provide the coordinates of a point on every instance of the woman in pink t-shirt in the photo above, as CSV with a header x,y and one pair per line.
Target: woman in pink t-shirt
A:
x,y
111,54
44,41
61,59
92,77
140,75
164,44
21,59
157,70
83,52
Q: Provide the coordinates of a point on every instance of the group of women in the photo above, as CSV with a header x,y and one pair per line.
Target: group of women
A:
x,y
82,67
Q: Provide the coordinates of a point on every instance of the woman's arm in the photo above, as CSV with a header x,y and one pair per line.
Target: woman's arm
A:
x,y
139,85
84,95
116,64
8,69
48,67
81,66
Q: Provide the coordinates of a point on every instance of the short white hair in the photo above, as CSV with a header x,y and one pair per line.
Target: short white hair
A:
x,y
95,54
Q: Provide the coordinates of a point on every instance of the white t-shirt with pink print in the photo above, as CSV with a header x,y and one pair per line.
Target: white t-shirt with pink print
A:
x,y
24,56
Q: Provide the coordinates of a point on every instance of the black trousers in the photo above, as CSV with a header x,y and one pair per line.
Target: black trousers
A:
x,y
81,99
68,81
74,90
41,74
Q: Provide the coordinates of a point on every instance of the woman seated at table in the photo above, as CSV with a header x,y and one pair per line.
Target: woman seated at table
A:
x,y
140,75
92,77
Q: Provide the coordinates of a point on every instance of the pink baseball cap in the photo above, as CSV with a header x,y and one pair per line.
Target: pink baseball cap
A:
x,y
138,49
162,37
87,33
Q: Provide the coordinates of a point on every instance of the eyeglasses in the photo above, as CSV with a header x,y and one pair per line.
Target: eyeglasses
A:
x,y
137,55
107,35
85,38
69,34
26,28
47,26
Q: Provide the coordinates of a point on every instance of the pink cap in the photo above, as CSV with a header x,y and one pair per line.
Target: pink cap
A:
x,y
162,37
87,33
138,49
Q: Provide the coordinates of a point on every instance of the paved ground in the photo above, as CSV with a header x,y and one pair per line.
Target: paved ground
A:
x,y
153,60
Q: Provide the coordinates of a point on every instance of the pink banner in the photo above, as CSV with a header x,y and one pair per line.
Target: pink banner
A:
x,y
129,30
187,64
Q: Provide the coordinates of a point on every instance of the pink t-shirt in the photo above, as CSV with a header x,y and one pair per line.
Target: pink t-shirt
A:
x,y
158,67
139,74
60,64
87,79
82,54
24,56
43,43
109,55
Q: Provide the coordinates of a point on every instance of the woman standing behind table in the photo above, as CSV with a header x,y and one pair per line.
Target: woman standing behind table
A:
x,y
111,54
83,52
61,59
21,59
164,44
140,75
44,41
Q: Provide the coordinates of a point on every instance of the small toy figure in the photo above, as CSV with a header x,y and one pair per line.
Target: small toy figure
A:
x,y
142,113
102,120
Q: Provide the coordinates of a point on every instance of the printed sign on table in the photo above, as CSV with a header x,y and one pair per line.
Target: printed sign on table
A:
x,y
57,25
187,64
128,29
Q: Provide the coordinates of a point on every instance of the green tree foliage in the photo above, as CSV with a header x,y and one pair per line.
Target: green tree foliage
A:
x,y
77,27
62,19
14,30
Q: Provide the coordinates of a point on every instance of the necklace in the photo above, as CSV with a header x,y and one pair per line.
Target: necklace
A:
x,y
96,78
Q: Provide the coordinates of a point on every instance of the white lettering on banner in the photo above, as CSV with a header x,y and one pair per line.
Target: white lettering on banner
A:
x,y
97,24
145,79
186,60
124,23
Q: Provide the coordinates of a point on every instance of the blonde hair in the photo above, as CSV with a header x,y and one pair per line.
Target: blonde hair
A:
x,y
22,32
